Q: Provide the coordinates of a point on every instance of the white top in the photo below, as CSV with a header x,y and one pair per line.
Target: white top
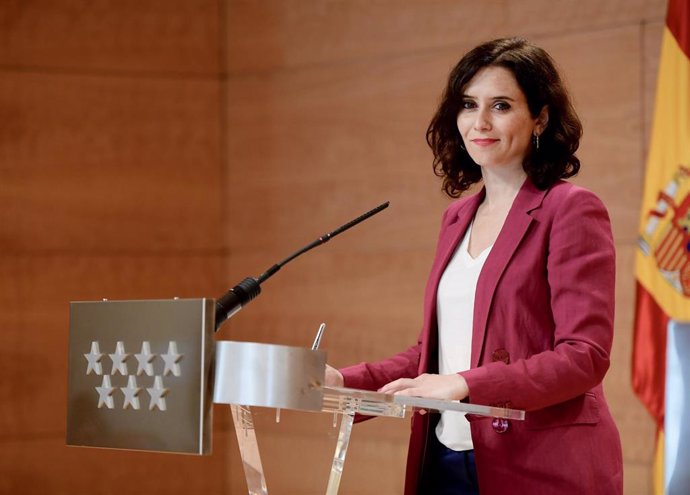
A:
x,y
455,314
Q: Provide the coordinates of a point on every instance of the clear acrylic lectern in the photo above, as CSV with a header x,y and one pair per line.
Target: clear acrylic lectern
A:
x,y
281,377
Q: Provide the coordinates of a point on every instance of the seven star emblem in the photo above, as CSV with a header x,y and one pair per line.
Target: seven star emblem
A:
x,y
132,391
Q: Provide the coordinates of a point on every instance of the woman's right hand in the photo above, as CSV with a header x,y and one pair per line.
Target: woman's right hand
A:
x,y
334,378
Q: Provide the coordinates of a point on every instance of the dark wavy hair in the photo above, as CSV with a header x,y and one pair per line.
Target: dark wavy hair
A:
x,y
536,74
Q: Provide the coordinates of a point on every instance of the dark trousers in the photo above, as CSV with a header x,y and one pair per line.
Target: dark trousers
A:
x,y
448,472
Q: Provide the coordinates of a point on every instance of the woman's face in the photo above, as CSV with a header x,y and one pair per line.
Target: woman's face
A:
x,y
494,120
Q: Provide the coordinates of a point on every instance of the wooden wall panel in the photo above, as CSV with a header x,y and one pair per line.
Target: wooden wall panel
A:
x,y
92,162
111,164
111,35
606,96
562,17
315,148
371,303
312,148
652,35
40,465
279,34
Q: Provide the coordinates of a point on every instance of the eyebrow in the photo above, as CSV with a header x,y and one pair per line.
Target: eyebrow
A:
x,y
493,97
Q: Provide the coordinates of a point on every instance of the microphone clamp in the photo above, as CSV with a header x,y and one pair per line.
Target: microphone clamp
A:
x,y
235,298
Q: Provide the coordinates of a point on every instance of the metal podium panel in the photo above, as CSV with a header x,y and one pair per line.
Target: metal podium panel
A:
x,y
269,375
140,375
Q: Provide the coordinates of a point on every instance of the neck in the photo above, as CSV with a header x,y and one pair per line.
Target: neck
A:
x,y
502,185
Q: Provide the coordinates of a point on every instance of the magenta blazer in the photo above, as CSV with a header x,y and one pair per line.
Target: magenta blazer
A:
x,y
542,334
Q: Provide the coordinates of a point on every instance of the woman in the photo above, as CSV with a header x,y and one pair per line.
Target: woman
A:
x,y
520,300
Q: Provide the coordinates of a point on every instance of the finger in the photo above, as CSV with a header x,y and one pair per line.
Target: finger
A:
x,y
395,386
390,388
410,392
333,377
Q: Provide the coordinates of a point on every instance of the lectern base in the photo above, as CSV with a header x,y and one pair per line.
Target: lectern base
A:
x,y
340,452
251,458
249,449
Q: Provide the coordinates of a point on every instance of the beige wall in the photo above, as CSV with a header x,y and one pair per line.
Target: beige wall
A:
x,y
154,149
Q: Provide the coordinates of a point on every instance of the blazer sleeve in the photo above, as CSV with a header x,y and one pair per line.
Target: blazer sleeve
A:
x,y
374,375
581,278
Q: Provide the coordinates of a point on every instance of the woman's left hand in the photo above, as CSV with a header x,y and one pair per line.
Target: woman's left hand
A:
x,y
447,387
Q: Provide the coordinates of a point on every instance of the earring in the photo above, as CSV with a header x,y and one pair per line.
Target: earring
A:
x,y
536,141
462,146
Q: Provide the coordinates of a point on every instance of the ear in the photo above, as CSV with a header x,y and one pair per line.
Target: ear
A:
x,y
542,120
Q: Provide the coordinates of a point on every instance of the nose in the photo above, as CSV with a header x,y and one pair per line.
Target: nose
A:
x,y
482,122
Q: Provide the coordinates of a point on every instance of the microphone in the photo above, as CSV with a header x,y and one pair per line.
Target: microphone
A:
x,y
238,297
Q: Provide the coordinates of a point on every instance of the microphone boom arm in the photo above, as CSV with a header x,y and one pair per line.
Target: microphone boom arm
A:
x,y
237,297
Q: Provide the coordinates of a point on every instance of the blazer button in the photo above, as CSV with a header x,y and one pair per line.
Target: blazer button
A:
x,y
500,355
500,425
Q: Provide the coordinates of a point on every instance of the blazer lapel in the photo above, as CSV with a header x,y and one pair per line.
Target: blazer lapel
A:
x,y
514,229
447,244
454,233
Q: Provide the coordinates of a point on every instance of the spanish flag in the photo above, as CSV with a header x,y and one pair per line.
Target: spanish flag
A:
x,y
662,263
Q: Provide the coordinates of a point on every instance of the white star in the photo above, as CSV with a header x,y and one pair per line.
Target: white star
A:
x,y
157,393
105,393
119,359
171,358
94,359
131,391
145,358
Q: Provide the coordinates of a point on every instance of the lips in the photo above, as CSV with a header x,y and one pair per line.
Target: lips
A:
x,y
484,141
